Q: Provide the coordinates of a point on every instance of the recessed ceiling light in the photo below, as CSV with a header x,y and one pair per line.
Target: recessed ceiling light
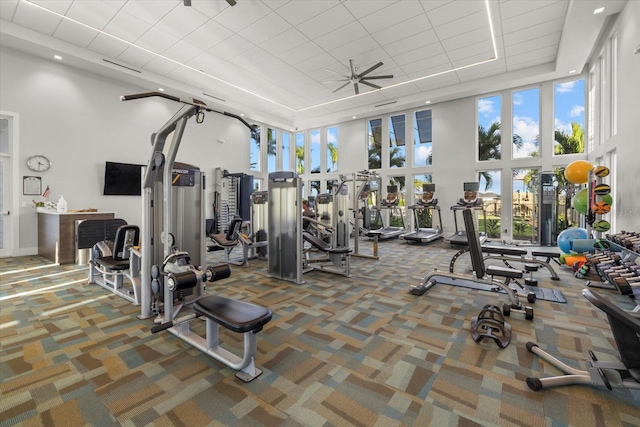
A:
x,y
353,117
598,10
572,71
58,57
161,89
241,114
427,102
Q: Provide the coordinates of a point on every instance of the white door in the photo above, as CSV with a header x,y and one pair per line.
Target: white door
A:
x,y
7,237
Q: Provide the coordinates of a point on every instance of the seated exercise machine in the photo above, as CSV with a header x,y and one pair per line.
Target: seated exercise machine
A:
x,y
173,249
485,276
624,373
426,206
230,240
335,260
110,242
390,204
470,201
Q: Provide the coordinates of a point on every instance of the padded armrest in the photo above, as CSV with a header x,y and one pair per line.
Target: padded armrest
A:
x,y
238,316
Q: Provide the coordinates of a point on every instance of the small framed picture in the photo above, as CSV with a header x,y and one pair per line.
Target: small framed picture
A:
x,y
31,186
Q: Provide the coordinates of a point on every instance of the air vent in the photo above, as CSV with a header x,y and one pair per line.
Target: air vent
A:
x,y
386,103
214,97
122,66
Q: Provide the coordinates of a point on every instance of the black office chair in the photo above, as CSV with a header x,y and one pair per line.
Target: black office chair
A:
x,y
619,374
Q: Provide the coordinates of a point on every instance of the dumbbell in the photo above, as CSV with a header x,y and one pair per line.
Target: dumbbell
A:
x,y
625,286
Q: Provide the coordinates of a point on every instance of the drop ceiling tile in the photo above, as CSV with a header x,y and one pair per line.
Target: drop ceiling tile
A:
x,y
284,42
231,47
251,59
400,91
297,12
431,71
532,56
429,5
534,17
238,18
160,66
362,8
524,34
483,70
432,50
149,12
391,15
7,9
206,61
411,43
33,17
300,53
181,21
267,28
402,30
524,63
341,36
75,33
422,65
331,20
96,13
59,6
208,35
437,82
276,4
209,8
314,63
483,49
182,51
156,40
127,27
514,8
465,39
107,46
464,25
355,48
452,12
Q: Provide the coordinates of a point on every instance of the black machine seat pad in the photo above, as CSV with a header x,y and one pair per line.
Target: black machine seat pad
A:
x,y
238,316
546,254
503,251
494,270
322,245
113,264
221,239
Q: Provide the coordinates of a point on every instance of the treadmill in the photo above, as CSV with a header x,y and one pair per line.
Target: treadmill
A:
x,y
391,203
428,203
470,201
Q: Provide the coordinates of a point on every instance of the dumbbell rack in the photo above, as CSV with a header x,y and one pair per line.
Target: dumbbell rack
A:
x,y
618,267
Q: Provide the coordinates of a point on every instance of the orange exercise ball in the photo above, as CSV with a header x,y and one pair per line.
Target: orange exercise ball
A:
x,y
577,172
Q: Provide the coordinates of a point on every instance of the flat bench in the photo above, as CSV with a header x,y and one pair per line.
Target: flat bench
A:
x,y
507,255
238,316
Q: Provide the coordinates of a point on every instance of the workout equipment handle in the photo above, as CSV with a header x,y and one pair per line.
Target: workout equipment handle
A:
x,y
161,327
217,272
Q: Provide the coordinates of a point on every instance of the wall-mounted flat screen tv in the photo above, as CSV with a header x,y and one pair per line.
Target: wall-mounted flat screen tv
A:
x,y
122,179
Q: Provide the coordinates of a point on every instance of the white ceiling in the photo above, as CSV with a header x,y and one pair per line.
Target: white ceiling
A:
x,y
276,60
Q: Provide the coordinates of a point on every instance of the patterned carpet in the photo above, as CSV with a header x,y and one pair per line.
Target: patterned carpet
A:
x,y
339,351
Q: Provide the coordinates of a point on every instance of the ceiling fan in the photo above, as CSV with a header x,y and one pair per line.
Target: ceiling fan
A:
x,y
363,77
231,2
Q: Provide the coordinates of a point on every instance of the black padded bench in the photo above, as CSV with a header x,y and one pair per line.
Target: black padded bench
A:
x,y
238,316
503,251
549,255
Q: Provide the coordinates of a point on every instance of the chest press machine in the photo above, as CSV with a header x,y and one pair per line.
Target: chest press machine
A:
x,y
173,279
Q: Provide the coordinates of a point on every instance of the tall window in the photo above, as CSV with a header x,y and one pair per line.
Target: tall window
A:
x,y
374,144
568,103
490,193
525,196
397,141
272,135
299,159
592,110
614,85
332,149
418,180
422,139
254,156
315,150
526,123
286,151
489,133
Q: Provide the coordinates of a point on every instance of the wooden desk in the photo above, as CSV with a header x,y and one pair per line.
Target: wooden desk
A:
x,y
57,234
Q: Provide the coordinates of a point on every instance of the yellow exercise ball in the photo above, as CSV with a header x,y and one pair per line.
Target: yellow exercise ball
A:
x,y
577,172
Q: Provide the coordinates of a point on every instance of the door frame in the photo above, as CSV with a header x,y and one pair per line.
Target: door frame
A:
x,y
12,234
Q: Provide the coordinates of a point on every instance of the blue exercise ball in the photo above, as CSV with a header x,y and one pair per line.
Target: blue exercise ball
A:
x,y
569,235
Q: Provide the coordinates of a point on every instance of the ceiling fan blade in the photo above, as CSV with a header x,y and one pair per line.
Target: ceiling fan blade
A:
x,y
187,2
388,76
370,84
231,2
364,73
333,81
353,68
355,87
341,87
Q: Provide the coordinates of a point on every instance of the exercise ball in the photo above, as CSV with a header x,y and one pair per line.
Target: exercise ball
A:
x,y
607,199
600,208
602,189
580,201
577,172
566,237
601,171
601,225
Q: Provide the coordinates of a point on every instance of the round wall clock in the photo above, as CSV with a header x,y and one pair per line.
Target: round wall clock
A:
x,y
38,163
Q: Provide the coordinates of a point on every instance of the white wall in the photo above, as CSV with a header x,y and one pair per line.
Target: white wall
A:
x,y
626,143
76,119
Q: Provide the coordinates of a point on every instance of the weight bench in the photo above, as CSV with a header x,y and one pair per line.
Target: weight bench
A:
x,y
110,242
340,258
508,255
237,316
230,240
